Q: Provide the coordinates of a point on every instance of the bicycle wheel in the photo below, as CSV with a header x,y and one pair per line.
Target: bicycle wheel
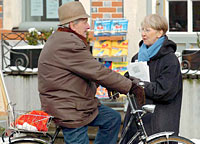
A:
x,y
27,140
170,140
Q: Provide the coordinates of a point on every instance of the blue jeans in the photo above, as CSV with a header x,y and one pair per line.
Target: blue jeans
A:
x,y
108,121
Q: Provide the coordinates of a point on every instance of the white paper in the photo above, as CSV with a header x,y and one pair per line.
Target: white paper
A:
x,y
139,70
52,8
36,7
66,1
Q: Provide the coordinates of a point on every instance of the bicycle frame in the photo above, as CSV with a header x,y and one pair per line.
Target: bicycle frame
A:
x,y
136,115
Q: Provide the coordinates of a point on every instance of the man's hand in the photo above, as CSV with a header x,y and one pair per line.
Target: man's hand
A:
x,y
113,94
136,89
139,93
134,79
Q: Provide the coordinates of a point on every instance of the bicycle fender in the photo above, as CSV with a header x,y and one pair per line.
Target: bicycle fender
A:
x,y
28,139
167,134
156,135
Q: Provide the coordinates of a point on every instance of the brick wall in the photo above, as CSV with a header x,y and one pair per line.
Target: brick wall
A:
x,y
106,9
1,26
1,20
1,14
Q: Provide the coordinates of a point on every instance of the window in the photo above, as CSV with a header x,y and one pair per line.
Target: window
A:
x,y
40,14
42,10
178,16
196,15
183,15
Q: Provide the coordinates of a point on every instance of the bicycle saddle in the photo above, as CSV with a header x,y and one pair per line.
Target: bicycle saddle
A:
x,y
149,108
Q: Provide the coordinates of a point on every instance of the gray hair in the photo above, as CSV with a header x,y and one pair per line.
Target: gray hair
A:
x,y
66,25
155,22
75,22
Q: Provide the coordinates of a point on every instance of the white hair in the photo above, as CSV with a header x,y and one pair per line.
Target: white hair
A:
x,y
75,22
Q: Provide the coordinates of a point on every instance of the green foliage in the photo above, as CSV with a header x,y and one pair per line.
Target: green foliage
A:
x,y
198,40
34,37
2,130
45,34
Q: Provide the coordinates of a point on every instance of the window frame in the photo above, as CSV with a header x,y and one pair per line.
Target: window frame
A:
x,y
189,16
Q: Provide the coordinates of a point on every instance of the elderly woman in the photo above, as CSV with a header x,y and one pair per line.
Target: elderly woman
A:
x,y
165,87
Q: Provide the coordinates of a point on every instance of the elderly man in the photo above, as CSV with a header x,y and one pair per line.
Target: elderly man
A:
x,y
68,76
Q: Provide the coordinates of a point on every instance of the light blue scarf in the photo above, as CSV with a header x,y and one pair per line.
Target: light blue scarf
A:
x,y
146,53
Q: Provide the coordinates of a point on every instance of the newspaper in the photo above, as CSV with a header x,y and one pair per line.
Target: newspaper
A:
x,y
139,70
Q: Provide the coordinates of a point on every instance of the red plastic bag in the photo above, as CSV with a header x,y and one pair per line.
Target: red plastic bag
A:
x,y
37,119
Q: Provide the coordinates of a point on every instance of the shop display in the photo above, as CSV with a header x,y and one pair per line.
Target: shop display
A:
x,y
107,27
102,28
119,27
119,48
102,48
109,48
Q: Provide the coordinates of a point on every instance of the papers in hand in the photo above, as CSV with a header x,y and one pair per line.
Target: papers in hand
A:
x,y
139,70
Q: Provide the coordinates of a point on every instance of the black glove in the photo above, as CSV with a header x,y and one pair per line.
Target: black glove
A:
x,y
139,93
113,94
136,89
134,79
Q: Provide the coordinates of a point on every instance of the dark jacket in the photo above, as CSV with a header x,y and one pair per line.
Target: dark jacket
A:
x,y
164,90
67,78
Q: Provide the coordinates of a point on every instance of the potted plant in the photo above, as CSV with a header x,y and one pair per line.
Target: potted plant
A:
x,y
45,35
35,37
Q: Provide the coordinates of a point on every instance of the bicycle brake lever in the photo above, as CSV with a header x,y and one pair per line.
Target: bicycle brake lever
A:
x,y
115,95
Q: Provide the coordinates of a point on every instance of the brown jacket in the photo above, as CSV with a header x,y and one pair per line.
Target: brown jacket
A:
x,y
67,78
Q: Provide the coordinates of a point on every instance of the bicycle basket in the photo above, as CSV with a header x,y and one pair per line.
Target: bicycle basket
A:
x,y
36,121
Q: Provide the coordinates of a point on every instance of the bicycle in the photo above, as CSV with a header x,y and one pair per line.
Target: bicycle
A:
x,y
157,138
17,136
